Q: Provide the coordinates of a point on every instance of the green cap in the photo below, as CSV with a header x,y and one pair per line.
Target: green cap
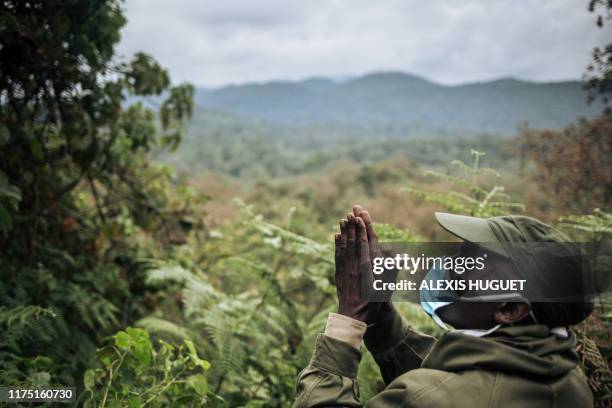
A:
x,y
471,229
561,280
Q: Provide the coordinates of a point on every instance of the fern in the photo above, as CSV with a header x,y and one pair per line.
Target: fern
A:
x,y
165,328
596,225
475,197
245,310
23,315
167,273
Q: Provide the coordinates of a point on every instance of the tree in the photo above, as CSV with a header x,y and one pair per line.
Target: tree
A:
x,y
477,196
573,164
80,203
599,72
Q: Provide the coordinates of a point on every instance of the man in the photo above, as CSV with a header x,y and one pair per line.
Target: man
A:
x,y
501,354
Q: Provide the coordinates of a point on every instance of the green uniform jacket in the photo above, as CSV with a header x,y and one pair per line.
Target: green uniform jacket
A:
x,y
519,366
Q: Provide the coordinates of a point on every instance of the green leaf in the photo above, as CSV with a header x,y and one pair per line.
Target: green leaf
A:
x,y
142,349
42,362
191,348
89,379
40,379
194,356
107,355
115,404
199,383
134,402
122,340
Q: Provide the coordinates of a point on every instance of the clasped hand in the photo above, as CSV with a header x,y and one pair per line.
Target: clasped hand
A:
x,y
356,245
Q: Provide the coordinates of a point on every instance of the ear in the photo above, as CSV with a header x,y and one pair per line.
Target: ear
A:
x,y
511,312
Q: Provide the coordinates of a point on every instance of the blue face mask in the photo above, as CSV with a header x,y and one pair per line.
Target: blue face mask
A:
x,y
431,299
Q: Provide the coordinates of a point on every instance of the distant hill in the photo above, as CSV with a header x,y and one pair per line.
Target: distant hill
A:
x,y
389,98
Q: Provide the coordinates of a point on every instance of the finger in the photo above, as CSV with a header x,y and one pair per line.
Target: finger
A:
x,y
363,241
350,227
351,248
339,245
343,230
372,237
367,219
362,235
365,215
357,209
353,257
340,249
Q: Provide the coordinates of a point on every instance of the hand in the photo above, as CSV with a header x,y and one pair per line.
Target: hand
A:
x,y
355,245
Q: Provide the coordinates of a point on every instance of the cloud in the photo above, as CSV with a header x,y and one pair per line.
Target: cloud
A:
x,y
212,43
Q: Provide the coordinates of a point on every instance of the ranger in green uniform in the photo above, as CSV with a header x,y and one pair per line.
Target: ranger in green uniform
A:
x,y
500,354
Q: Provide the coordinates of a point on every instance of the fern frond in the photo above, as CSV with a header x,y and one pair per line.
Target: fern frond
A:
x,y
198,295
167,273
23,315
463,197
456,181
452,203
164,328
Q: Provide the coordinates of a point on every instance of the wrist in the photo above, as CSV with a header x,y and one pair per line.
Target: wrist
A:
x,y
346,329
355,313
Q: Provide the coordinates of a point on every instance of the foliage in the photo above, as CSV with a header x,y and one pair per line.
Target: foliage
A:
x,y
598,78
389,233
10,196
573,164
253,306
80,204
594,337
596,225
241,306
19,326
475,198
135,374
232,145
596,368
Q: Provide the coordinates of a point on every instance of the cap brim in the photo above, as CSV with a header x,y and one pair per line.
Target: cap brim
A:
x,y
471,229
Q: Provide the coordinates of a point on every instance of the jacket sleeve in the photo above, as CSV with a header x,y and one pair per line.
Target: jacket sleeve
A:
x,y
396,347
330,378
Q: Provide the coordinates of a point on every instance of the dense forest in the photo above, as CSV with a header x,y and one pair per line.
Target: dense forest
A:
x,y
159,251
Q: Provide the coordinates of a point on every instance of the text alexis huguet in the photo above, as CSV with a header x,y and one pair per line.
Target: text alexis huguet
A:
x,y
458,265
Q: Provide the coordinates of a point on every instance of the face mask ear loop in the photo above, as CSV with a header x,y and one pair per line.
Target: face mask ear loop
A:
x,y
439,321
531,313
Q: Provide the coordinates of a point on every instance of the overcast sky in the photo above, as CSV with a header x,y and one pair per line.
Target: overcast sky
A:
x,y
213,43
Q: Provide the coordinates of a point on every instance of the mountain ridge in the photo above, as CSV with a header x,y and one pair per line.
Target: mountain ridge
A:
x,y
497,106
